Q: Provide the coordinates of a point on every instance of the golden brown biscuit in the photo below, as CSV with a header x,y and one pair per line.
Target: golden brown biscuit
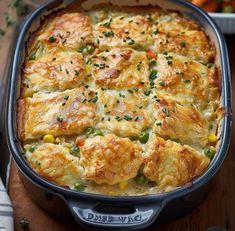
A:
x,y
120,68
171,164
58,113
182,123
57,70
55,163
110,159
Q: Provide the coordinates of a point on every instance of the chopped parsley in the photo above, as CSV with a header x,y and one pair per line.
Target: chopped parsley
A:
x,y
118,118
127,117
107,24
153,75
52,39
66,97
131,42
210,65
159,123
166,111
139,66
183,44
108,33
162,84
147,93
155,32
76,72
37,162
60,119
24,223
95,99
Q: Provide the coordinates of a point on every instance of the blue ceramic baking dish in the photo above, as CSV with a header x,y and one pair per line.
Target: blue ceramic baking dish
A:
x,y
107,212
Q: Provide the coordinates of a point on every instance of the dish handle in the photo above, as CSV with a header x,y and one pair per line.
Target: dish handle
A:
x,y
111,215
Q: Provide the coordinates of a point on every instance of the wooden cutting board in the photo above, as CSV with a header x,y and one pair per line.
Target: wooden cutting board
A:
x,y
218,209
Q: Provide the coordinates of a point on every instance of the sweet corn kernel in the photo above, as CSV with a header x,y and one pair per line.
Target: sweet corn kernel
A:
x,y
112,193
49,138
212,138
88,68
66,150
123,185
28,92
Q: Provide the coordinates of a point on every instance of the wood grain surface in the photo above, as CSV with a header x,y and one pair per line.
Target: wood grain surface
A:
x,y
218,209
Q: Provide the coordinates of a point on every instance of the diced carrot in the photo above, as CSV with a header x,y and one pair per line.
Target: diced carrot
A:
x,y
151,54
199,2
211,6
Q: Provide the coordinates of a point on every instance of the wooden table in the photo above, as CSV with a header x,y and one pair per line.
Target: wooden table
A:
x,y
218,209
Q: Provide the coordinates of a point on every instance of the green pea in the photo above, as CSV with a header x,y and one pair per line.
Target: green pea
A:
x,y
90,131
228,9
209,152
94,132
143,137
24,223
141,179
90,49
75,150
98,133
32,148
79,186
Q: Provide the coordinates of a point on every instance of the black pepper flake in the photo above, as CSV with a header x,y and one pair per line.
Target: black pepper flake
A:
x,y
139,66
66,70
76,72
60,119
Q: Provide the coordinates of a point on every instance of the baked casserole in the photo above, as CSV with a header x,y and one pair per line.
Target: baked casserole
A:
x,y
119,101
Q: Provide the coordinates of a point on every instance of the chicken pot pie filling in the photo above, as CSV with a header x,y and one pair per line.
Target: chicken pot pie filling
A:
x,y
119,101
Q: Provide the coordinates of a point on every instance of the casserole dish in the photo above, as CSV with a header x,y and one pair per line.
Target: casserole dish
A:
x,y
133,212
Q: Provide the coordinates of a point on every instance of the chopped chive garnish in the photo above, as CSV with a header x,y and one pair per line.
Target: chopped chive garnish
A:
x,y
66,97
127,117
183,44
108,33
166,111
60,119
52,39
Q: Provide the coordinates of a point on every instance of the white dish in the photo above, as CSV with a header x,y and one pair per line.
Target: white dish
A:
x,y
226,22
